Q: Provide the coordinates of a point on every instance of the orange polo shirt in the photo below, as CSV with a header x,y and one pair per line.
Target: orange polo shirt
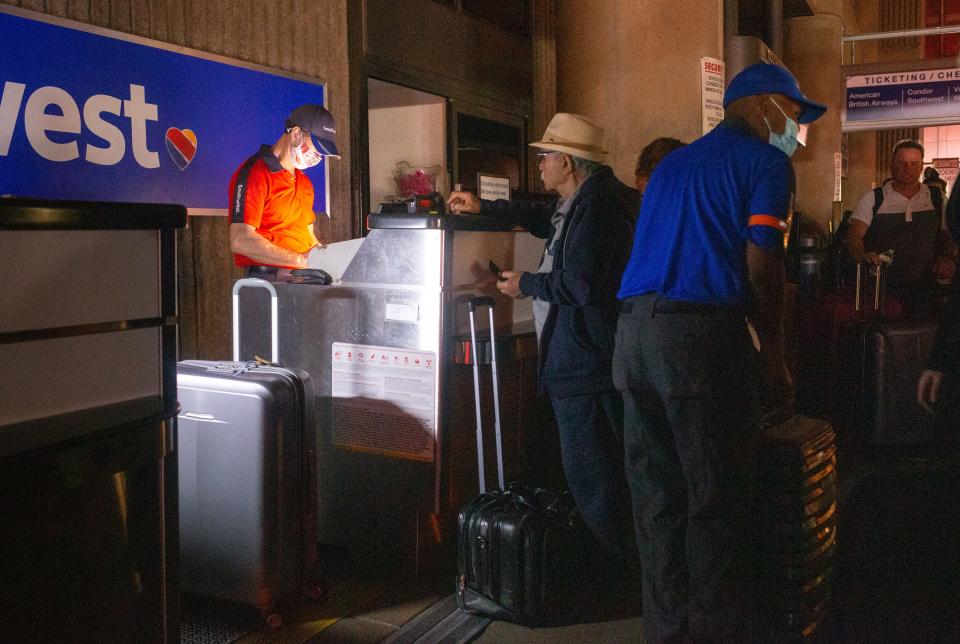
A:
x,y
279,206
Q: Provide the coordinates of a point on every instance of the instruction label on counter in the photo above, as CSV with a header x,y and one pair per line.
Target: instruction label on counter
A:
x,y
384,400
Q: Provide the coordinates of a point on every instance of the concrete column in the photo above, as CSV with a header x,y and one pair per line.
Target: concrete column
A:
x,y
812,51
627,65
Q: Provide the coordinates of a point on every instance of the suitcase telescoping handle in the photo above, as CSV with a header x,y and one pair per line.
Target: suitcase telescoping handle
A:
x,y
878,289
255,282
472,306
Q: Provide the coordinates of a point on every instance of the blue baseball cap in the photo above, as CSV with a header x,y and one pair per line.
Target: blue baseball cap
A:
x,y
766,78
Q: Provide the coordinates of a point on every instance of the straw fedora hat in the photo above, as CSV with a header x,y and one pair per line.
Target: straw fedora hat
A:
x,y
575,135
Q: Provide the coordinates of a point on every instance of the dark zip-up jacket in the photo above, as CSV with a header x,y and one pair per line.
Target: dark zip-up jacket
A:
x,y
576,345
945,355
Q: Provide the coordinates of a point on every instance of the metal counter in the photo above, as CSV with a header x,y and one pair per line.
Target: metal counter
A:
x,y
380,344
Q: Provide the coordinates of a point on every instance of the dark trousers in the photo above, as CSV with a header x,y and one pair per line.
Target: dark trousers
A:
x,y
689,379
591,435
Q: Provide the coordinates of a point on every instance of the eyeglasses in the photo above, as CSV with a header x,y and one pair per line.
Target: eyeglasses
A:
x,y
543,155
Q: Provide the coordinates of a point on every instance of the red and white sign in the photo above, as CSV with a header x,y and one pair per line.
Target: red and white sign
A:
x,y
948,169
712,84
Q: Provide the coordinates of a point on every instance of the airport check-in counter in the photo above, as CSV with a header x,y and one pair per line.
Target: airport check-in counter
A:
x,y
387,346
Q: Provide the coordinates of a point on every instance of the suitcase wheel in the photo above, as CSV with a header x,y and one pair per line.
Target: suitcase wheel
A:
x,y
274,620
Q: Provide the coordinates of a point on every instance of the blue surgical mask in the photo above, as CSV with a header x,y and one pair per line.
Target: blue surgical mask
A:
x,y
788,140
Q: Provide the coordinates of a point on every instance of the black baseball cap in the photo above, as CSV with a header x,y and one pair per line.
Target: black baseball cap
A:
x,y
317,121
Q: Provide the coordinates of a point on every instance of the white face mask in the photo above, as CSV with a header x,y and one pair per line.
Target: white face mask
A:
x,y
303,155
787,141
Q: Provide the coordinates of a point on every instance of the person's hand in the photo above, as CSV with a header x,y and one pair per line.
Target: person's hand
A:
x,y
509,284
461,201
870,258
302,259
928,388
944,268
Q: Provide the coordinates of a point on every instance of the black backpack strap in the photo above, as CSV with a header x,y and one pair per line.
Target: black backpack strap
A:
x,y
937,198
877,199
953,213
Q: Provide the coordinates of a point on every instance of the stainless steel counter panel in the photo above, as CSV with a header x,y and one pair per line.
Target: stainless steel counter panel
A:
x,y
404,288
398,257
367,502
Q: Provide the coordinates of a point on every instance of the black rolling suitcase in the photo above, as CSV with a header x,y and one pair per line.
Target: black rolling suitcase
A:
x,y
517,546
880,365
247,468
799,518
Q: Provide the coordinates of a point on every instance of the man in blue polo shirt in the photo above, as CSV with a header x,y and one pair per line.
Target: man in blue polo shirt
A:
x,y
707,255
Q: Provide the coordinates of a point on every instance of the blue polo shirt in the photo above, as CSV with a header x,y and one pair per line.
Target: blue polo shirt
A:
x,y
703,202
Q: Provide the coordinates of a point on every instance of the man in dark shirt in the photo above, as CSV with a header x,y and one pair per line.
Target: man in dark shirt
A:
x,y
907,217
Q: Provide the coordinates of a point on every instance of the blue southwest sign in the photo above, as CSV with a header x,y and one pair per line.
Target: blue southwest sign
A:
x,y
904,98
91,114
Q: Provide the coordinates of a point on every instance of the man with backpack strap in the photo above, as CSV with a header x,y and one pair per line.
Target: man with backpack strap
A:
x,y
906,216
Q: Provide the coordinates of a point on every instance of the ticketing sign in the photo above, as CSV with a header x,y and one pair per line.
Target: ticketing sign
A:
x,y
902,99
92,114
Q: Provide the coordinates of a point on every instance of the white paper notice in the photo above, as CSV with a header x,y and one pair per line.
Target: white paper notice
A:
x,y
712,82
384,400
493,187
837,176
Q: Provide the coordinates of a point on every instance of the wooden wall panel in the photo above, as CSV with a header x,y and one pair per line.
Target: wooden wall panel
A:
x,y
214,275
121,17
543,21
99,12
301,36
176,23
79,10
473,61
57,8
188,337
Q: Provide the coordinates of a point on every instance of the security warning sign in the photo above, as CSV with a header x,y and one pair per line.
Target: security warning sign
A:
x,y
384,400
712,82
947,169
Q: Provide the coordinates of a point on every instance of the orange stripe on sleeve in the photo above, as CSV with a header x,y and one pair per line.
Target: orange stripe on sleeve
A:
x,y
768,220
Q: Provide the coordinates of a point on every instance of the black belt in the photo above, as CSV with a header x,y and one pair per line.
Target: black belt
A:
x,y
664,306
265,271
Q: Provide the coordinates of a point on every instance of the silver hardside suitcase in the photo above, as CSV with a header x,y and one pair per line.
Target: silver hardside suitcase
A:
x,y
247,467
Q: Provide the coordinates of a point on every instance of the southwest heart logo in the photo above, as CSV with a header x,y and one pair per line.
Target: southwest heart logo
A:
x,y
181,146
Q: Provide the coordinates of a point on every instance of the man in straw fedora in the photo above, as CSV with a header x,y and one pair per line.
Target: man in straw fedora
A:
x,y
588,231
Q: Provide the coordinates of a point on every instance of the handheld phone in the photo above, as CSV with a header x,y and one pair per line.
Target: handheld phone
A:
x,y
496,271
